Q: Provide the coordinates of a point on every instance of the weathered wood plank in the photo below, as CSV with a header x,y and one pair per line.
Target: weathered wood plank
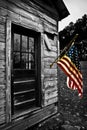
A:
x,y
52,43
32,25
7,13
2,80
2,94
2,55
2,119
50,79
48,61
2,110
25,6
47,44
2,46
42,68
55,41
2,102
49,19
50,76
3,12
50,72
50,85
2,19
50,101
2,114
54,48
2,86
8,71
37,117
50,54
2,73
23,14
2,64
50,94
2,28
2,37
22,20
50,28
47,65
43,7
21,8
51,91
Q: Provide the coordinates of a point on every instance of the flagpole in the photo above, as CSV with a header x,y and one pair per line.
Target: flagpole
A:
x,y
66,48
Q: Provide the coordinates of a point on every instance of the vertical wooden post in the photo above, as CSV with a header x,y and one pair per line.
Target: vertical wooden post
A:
x,y
8,70
42,68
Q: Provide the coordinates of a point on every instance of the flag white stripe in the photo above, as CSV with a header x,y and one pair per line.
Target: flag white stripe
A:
x,y
74,70
72,64
71,69
68,72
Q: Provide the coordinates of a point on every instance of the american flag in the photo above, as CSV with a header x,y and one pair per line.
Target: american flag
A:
x,y
70,64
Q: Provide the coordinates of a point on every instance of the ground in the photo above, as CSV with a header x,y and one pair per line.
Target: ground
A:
x,y
62,121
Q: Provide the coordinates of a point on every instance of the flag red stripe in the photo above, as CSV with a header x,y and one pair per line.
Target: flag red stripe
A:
x,y
71,84
79,88
73,79
73,66
76,72
71,72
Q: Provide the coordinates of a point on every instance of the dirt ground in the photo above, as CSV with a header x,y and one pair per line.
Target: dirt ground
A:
x,y
62,121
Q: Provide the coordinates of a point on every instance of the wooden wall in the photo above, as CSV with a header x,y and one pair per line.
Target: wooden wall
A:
x,y
22,14
2,71
50,74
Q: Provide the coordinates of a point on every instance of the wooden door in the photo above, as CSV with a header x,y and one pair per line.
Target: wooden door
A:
x,y
24,70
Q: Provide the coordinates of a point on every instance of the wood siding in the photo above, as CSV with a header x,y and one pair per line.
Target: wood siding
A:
x,y
50,74
22,14
8,70
2,71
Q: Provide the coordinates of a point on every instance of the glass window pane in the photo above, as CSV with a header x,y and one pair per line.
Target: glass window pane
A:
x,y
31,65
31,44
31,61
31,57
24,44
24,61
16,63
16,42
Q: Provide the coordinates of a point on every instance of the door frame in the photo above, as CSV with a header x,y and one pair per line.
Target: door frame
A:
x,y
8,69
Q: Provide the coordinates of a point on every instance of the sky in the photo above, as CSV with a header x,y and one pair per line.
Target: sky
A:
x,y
76,8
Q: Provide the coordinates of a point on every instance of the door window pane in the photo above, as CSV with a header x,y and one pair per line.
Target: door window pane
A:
x,y
31,44
24,44
16,42
16,60
31,60
24,52
31,53
24,61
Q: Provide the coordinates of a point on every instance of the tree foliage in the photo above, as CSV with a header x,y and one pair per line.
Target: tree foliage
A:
x,y
80,27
